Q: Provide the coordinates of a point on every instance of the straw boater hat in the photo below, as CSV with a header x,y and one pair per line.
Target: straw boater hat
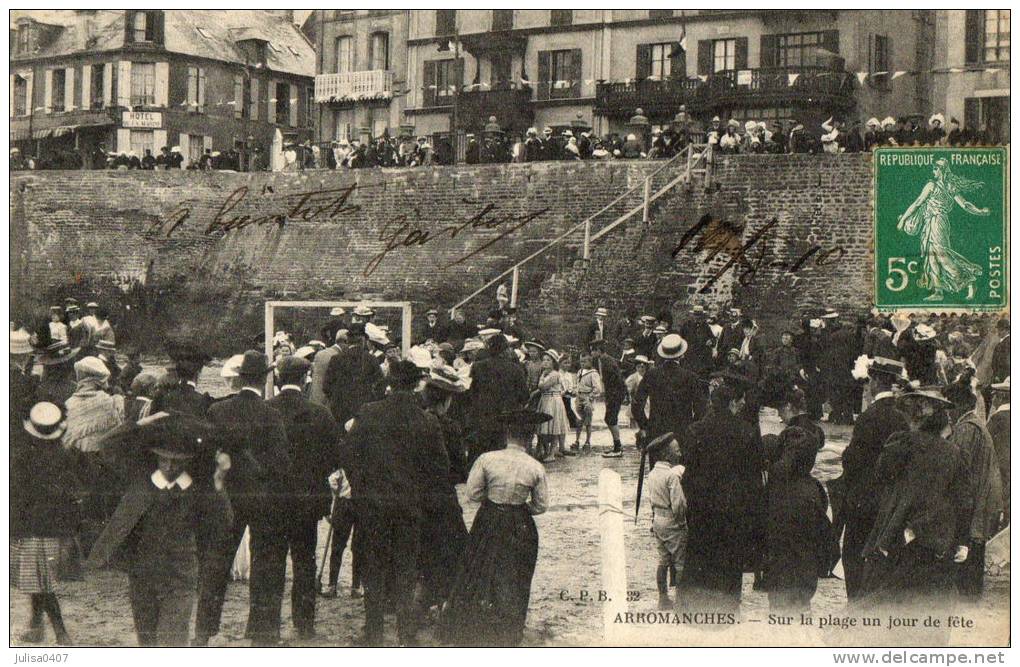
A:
x,y
488,333
536,344
336,311
552,354
641,359
933,394
672,346
304,352
472,345
647,320
659,328
45,421
364,311
601,312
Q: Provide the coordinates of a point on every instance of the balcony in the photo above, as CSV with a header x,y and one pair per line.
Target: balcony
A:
x,y
750,88
349,87
511,106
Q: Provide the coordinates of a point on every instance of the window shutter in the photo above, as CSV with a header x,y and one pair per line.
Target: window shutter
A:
x,y
973,29
575,73
292,109
830,41
206,143
158,141
162,85
271,105
254,99
678,61
704,56
769,56
86,87
124,83
238,96
543,75
29,93
158,28
184,142
69,89
201,89
429,81
107,85
741,53
972,112
644,61
123,140
48,94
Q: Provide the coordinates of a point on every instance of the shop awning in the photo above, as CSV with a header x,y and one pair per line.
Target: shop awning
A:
x,y
22,133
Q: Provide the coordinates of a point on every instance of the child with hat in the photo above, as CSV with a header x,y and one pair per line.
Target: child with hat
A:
x,y
669,512
588,387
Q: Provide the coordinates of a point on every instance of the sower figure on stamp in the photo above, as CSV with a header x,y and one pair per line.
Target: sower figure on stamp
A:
x,y
163,523
314,440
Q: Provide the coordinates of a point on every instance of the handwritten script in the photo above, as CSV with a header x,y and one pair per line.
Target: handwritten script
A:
x,y
717,237
404,233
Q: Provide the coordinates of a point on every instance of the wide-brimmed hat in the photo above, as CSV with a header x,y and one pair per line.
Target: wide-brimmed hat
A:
x,y
659,441
887,121
672,346
21,342
254,364
231,366
697,309
931,393
58,352
534,344
336,311
446,379
829,314
420,357
376,334
552,354
45,421
641,359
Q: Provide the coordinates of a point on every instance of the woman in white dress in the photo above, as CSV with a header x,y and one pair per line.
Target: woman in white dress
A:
x,y
552,435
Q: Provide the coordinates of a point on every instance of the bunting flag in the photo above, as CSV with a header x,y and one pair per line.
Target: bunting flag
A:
x,y
792,77
897,75
703,77
861,76
683,37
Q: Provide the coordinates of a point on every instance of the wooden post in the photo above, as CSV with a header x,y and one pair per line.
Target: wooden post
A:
x,y
648,195
708,158
269,347
614,559
587,240
513,286
405,330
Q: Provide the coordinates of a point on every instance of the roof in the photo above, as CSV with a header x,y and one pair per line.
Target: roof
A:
x,y
209,34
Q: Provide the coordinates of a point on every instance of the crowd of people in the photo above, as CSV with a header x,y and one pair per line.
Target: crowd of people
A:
x,y
495,146
145,470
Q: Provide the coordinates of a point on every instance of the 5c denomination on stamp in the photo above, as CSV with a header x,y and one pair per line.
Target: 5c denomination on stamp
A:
x,y
941,219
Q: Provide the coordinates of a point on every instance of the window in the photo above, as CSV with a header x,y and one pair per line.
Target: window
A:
x,y
143,84
446,81
996,43
24,38
561,73
20,95
282,95
799,50
379,50
661,60
502,63
141,141
446,22
502,19
344,54
143,26
196,88
989,115
880,62
57,90
97,86
561,17
724,55
660,13
196,144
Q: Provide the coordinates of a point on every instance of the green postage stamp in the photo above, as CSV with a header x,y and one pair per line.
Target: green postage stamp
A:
x,y
941,229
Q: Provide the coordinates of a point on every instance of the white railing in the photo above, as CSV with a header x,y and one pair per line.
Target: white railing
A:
x,y
367,85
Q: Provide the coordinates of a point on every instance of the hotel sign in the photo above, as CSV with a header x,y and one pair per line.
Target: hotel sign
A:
x,y
143,119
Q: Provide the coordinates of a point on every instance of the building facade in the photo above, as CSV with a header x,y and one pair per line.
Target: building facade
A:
x,y
971,73
361,78
596,67
138,80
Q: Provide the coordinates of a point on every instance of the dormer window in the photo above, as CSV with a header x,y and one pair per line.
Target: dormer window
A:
x,y
24,37
145,27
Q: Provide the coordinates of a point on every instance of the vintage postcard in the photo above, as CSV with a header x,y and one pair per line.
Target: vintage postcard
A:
x,y
510,328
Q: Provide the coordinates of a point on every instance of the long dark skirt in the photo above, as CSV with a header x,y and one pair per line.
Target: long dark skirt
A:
x,y
443,540
489,601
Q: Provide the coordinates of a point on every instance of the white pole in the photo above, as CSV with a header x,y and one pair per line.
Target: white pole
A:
x,y
269,347
648,195
513,286
614,559
587,240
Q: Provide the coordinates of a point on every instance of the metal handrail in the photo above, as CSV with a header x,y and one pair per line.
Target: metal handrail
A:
x,y
586,223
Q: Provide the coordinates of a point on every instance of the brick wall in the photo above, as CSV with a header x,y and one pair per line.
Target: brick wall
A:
x,y
113,234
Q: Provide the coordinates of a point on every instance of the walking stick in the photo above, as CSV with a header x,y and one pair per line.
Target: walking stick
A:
x,y
640,480
329,542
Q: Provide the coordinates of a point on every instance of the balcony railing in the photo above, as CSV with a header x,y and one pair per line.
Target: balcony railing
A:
x,y
510,105
353,86
764,86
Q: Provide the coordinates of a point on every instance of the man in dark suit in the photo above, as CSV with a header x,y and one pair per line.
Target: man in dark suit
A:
x,y
675,396
383,455
598,329
184,396
313,438
700,341
498,384
432,330
254,437
352,376
646,341
862,489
